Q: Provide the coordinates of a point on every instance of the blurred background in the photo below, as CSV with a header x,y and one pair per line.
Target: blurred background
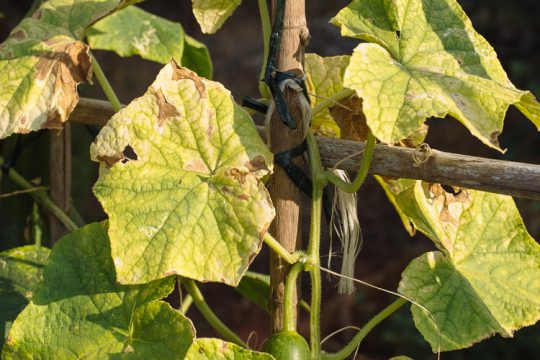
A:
x,y
510,26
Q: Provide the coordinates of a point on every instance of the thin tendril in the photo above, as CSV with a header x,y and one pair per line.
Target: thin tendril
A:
x,y
337,103
339,331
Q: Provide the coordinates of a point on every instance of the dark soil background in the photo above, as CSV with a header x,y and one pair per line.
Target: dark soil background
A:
x,y
512,27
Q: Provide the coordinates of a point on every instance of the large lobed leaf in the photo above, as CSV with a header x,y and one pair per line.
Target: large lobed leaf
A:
x,y
422,59
42,62
20,273
190,201
212,14
80,311
133,31
215,349
485,277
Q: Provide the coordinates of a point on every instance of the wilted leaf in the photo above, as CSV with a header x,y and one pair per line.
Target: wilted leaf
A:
x,y
42,62
190,200
80,311
211,14
350,119
424,59
216,349
484,278
20,272
324,78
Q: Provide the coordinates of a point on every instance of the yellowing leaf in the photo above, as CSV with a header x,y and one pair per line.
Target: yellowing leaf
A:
x,y
216,349
424,59
42,62
324,78
80,312
190,200
484,278
211,14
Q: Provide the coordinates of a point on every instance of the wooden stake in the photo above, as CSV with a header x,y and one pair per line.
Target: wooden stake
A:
x,y
60,177
287,227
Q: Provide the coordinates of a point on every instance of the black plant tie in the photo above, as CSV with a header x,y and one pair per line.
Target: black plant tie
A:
x,y
297,176
274,78
251,103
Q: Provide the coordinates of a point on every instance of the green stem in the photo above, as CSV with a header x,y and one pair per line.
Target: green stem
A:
x,y
105,85
36,225
353,187
331,101
314,245
186,304
355,342
209,315
280,250
42,198
289,303
266,30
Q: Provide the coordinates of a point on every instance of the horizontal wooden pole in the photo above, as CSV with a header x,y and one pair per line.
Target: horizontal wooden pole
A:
x,y
498,176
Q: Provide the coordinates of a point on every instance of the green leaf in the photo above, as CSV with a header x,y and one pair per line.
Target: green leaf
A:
x,y
216,349
324,78
192,202
134,31
424,59
80,311
20,272
197,58
42,62
211,14
256,288
484,278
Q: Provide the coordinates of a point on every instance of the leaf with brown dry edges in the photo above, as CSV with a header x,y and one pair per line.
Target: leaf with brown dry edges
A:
x,y
186,197
42,62
484,278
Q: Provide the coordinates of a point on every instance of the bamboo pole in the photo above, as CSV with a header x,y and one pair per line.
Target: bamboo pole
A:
x,y
504,177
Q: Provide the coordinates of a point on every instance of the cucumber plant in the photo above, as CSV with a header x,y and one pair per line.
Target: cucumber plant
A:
x,y
183,169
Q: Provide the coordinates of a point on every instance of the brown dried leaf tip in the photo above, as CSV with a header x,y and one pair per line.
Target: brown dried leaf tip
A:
x,y
449,205
64,67
180,73
351,120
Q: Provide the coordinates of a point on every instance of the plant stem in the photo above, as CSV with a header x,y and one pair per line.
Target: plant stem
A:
x,y
289,303
105,85
331,101
186,304
266,30
353,187
42,198
209,315
355,342
280,250
314,245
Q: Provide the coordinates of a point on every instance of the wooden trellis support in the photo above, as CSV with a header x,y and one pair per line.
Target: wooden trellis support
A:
x,y
498,176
